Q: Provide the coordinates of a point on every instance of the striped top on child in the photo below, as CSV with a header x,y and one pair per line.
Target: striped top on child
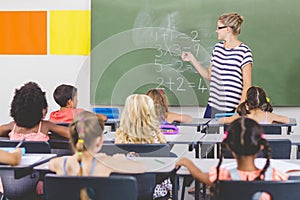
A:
x,y
226,80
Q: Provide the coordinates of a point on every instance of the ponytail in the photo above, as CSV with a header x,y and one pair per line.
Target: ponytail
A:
x,y
77,128
242,109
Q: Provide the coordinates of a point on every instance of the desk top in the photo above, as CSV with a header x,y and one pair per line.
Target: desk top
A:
x,y
218,138
292,122
281,165
30,160
153,164
186,135
195,122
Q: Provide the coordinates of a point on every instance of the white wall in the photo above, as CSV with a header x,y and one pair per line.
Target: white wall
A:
x,y
48,71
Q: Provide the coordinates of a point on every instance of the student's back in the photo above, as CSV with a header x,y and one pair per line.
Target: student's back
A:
x,y
244,138
257,107
66,96
162,108
139,123
28,108
87,138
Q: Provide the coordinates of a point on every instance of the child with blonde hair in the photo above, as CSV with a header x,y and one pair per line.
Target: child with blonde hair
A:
x,y
139,123
87,139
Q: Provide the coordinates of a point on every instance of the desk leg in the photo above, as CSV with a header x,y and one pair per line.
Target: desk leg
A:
x,y
289,130
197,150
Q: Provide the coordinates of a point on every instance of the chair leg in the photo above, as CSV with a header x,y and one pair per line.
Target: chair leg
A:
x,y
187,181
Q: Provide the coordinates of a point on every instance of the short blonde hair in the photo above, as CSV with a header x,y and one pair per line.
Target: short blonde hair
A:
x,y
139,123
233,20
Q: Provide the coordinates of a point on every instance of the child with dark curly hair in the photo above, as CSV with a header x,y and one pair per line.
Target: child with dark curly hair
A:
x,y
28,108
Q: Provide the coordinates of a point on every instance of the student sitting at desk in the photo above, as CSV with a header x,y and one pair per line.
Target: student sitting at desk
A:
x,y
139,125
28,109
256,106
162,108
87,139
244,138
66,97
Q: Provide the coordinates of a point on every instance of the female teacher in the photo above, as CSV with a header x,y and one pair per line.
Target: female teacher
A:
x,y
230,69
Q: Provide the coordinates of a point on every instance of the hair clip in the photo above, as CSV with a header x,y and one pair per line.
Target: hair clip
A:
x,y
268,99
225,135
81,141
81,130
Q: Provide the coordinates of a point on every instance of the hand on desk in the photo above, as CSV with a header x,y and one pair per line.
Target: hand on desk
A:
x,y
11,158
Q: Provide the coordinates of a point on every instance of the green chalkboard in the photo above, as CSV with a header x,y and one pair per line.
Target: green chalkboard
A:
x,y
136,45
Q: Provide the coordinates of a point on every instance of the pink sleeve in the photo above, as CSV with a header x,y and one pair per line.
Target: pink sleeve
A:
x,y
223,174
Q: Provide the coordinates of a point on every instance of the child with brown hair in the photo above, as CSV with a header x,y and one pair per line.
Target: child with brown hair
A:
x,y
162,108
66,97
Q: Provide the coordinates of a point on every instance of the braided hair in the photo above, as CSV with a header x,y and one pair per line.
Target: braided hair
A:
x,y
233,20
255,98
85,128
244,137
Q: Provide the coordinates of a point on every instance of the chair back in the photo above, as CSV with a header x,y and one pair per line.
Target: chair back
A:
x,y
144,150
280,148
98,188
30,146
230,190
269,129
61,147
146,183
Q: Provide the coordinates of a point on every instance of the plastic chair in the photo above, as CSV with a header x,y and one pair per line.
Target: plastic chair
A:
x,y
61,147
146,183
281,148
68,187
268,129
231,190
143,150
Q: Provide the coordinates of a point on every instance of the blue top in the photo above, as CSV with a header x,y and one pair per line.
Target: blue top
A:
x,y
91,171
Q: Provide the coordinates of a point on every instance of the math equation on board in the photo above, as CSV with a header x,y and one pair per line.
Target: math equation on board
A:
x,y
172,72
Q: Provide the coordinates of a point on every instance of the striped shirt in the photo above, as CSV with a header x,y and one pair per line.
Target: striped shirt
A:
x,y
226,81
